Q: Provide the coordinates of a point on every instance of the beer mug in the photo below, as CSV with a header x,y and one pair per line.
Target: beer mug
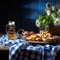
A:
x,y
10,30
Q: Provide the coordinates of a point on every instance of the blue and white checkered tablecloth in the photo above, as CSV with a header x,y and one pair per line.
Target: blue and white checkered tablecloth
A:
x,y
16,46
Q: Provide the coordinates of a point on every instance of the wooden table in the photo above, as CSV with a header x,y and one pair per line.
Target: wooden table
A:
x,y
3,48
4,53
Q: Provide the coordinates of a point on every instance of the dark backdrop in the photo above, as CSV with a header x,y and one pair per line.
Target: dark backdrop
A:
x,y
23,12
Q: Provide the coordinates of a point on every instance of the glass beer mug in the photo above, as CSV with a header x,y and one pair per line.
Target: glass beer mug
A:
x,y
10,30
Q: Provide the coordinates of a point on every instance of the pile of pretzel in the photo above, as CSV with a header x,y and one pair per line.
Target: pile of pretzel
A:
x,y
44,36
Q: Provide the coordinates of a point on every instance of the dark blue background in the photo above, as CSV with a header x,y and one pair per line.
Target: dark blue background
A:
x,y
23,12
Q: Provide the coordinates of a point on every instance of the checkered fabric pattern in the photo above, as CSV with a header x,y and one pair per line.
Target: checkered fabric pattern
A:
x,y
24,54
22,50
